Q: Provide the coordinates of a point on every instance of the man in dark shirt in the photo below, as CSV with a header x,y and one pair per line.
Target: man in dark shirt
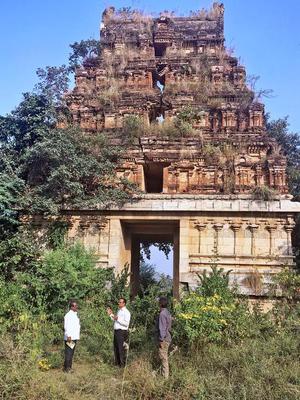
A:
x,y
164,335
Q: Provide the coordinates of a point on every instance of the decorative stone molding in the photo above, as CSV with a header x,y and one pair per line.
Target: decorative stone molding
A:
x,y
87,223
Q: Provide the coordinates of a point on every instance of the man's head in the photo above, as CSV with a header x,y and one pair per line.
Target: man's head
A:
x,y
121,302
73,305
163,302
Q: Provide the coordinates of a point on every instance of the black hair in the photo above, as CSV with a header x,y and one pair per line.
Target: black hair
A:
x,y
124,300
163,302
72,302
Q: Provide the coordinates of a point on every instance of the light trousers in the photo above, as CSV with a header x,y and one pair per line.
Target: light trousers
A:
x,y
164,358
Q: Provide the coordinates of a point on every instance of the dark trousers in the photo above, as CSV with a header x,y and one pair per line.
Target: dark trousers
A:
x,y
120,337
69,356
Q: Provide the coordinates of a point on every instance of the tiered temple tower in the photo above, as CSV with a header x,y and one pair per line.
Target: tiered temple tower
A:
x,y
213,181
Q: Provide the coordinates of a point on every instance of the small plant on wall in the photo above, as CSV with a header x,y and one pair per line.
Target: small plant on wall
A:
x,y
264,193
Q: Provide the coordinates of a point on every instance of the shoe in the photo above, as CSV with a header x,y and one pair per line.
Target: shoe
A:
x,y
68,371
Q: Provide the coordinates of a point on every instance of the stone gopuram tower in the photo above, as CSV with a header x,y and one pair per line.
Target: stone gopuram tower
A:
x,y
213,183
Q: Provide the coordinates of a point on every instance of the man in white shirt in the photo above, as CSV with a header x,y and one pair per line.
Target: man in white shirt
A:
x,y
72,334
121,325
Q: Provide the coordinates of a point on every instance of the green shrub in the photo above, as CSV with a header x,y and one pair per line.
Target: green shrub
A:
x,y
216,282
96,331
264,193
18,253
67,273
133,128
203,318
213,313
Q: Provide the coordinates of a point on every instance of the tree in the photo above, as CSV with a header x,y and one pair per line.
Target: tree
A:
x,y
68,168
45,168
54,82
11,187
290,144
83,51
27,124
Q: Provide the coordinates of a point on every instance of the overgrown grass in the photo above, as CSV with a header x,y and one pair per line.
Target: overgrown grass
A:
x,y
224,350
264,368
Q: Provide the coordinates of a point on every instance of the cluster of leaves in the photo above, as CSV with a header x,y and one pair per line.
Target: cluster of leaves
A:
x,y
214,313
133,128
189,114
44,168
70,168
181,126
289,284
36,282
290,145
165,247
83,52
264,193
204,318
10,187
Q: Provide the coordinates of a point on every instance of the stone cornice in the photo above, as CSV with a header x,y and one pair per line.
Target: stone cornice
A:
x,y
203,203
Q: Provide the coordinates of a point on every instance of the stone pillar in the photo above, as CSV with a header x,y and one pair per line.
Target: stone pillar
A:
x,y
82,230
184,245
218,227
289,228
200,227
271,176
101,225
135,266
235,228
118,255
176,264
165,179
271,230
140,177
253,228
259,176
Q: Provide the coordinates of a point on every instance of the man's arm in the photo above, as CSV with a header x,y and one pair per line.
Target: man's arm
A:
x,y
124,319
68,327
111,314
163,324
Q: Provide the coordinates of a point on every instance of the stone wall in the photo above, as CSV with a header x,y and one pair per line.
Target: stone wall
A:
x,y
253,239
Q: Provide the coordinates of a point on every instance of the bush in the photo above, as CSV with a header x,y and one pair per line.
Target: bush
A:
x,y
96,331
133,128
18,253
213,313
264,193
67,273
203,318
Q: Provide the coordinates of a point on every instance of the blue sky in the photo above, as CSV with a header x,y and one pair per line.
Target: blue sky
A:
x,y
264,34
159,259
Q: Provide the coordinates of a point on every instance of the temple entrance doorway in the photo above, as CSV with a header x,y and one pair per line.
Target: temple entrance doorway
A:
x,y
142,235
